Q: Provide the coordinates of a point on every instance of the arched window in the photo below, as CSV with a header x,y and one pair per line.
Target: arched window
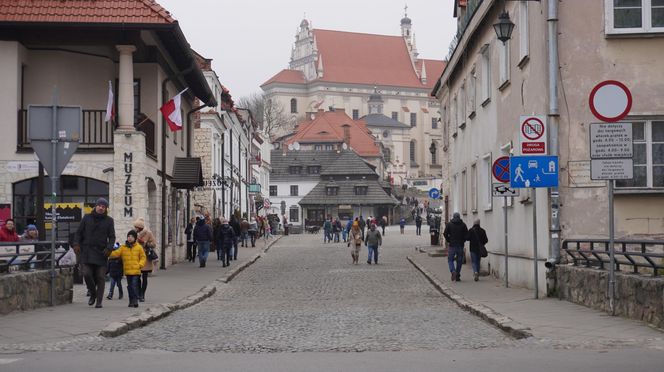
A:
x,y
412,152
293,106
387,154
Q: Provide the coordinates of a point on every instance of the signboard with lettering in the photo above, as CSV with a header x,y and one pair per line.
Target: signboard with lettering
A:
x,y
611,140
611,169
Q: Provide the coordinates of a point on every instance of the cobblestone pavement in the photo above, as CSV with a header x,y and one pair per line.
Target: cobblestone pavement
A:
x,y
306,296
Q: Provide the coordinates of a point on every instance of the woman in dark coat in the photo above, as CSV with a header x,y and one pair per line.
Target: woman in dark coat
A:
x,y
478,239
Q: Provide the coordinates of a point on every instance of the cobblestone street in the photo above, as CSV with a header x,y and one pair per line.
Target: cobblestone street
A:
x,y
306,296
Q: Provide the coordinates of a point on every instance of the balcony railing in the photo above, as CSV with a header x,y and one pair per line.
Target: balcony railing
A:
x,y
96,134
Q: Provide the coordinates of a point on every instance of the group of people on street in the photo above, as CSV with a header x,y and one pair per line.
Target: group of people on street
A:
x,y
99,254
457,233
372,240
332,227
8,233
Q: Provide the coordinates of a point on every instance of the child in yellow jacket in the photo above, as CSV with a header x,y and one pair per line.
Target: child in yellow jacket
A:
x,y
133,259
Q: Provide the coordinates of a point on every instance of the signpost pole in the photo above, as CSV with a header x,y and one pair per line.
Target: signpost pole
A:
x,y
535,243
506,242
54,180
612,266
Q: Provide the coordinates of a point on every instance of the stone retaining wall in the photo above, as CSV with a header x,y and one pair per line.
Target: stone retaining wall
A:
x,y
637,296
30,290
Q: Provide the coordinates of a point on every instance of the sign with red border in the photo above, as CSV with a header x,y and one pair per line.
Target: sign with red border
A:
x,y
610,101
501,169
533,135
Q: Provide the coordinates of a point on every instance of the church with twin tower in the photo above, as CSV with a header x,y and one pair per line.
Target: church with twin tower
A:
x,y
365,74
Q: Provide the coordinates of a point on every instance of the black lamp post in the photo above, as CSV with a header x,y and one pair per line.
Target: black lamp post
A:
x,y
504,27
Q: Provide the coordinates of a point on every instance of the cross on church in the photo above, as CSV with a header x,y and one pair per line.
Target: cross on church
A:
x,y
405,10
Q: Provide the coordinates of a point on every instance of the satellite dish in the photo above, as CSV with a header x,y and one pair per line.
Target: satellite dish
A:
x,y
345,146
290,146
296,146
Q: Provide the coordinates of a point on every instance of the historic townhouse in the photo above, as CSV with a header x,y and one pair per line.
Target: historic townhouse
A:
x,y
136,162
488,84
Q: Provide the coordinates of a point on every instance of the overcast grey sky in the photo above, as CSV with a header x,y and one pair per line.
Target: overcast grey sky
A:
x,y
250,40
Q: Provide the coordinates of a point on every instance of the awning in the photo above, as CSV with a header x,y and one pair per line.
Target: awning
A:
x,y
187,173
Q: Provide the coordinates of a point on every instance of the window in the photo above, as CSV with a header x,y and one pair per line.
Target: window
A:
x,y
472,87
454,117
293,190
412,153
395,115
434,156
434,123
293,106
504,63
486,75
461,109
356,114
294,215
446,126
329,147
473,188
485,192
294,169
318,147
387,155
273,190
464,192
361,190
648,139
331,191
634,16
455,193
524,37
413,119
313,169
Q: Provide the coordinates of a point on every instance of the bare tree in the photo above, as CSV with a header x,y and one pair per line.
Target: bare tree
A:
x,y
270,114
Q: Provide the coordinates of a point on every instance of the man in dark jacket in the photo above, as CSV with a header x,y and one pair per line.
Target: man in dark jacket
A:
x,y
455,233
94,240
418,225
363,225
226,238
235,224
478,239
203,237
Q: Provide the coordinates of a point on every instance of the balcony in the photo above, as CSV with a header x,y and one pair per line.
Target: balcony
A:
x,y
96,134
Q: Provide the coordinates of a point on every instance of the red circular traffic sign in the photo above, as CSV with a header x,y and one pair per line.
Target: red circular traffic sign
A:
x,y
501,169
610,101
532,128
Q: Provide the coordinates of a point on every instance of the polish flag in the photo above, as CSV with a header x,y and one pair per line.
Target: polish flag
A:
x,y
110,106
171,112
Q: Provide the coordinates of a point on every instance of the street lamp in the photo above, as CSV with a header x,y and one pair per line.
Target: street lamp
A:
x,y
504,27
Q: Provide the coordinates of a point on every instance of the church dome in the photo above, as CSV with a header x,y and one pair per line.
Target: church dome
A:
x,y
375,97
406,21
304,23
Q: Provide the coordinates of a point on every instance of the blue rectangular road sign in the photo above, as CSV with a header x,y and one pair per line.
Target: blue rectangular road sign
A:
x,y
533,171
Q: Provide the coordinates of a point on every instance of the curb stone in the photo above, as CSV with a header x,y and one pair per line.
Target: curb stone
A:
x,y
158,311
504,323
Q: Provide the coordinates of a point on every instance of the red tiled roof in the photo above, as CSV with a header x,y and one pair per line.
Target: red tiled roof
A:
x,y
287,77
356,58
84,11
327,126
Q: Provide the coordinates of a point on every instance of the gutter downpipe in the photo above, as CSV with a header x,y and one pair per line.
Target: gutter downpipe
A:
x,y
554,120
164,93
189,130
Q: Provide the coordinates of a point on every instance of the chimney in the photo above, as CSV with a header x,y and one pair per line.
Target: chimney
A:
x,y
346,134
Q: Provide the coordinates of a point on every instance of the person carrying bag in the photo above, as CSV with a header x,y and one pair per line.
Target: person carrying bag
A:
x,y
478,239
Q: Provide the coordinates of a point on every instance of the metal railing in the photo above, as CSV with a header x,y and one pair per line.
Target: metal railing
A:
x,y
634,253
29,255
95,133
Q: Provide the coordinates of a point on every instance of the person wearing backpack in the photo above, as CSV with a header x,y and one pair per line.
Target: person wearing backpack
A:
x,y
478,239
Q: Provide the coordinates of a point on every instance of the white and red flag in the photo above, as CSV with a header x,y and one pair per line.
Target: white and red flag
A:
x,y
172,113
110,105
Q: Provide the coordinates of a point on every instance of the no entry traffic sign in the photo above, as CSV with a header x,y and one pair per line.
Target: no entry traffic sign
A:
x,y
610,101
501,169
533,135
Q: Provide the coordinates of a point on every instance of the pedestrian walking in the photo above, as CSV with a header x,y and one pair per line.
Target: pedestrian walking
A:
x,y
355,241
383,224
455,233
226,239
252,230
115,272
284,222
373,240
94,241
346,230
133,259
478,239
189,232
402,225
327,231
8,232
363,224
336,229
216,242
244,232
235,224
418,225
147,240
203,236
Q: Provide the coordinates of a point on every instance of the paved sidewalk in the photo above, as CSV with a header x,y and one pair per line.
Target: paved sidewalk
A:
x,y
549,318
168,286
